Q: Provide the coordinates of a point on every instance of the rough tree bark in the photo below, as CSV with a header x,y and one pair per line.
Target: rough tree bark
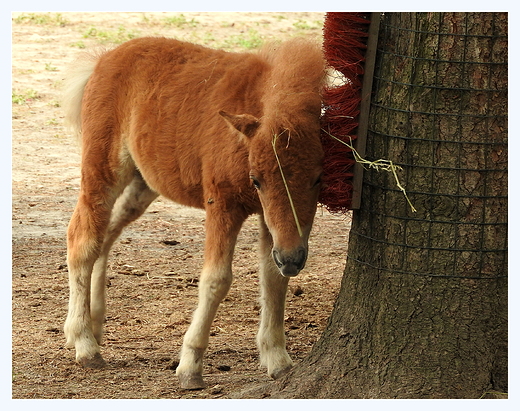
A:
x,y
422,310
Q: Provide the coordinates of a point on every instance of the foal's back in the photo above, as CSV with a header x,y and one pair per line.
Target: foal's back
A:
x,y
155,102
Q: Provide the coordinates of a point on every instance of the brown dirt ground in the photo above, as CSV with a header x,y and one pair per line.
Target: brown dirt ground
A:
x,y
152,286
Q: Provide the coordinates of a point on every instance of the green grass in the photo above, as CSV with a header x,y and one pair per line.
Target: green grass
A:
x,y
251,40
208,38
78,44
180,21
110,36
303,25
49,67
24,97
42,19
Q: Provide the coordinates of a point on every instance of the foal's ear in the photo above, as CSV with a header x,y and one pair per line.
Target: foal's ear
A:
x,y
246,124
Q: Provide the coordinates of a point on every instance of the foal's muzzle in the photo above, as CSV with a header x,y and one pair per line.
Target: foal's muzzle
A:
x,y
291,262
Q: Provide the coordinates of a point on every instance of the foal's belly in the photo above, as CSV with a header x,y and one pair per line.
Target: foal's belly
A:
x,y
171,170
174,189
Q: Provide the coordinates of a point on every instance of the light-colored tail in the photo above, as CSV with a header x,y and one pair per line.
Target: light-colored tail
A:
x,y
76,79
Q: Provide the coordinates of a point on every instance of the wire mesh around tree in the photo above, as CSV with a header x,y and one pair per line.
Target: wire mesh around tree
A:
x,y
439,110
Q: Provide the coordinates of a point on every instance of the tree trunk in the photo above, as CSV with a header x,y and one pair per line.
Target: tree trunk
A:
x,y
422,310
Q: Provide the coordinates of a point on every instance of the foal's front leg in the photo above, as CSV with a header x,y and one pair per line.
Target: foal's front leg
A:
x,y
215,281
271,334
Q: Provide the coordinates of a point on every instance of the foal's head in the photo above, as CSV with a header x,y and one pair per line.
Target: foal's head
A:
x,y
285,167
285,153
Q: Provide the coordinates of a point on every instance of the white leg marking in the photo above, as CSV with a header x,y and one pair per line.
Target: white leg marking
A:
x,y
271,334
87,267
78,326
213,287
215,280
132,203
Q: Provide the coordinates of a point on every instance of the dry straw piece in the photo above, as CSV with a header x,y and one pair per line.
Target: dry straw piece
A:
x,y
275,137
381,164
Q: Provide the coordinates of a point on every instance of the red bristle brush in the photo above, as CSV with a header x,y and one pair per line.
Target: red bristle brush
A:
x,y
344,42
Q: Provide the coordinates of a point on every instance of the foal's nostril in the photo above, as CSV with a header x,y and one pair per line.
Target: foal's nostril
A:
x,y
276,258
302,257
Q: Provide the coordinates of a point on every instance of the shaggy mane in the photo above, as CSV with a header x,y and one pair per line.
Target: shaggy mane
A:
x,y
295,81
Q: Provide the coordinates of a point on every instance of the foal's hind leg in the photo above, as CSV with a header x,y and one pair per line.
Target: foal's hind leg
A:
x,y
215,280
91,233
135,199
271,335
85,235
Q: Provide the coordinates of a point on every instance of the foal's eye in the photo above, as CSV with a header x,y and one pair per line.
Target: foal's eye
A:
x,y
317,182
256,183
